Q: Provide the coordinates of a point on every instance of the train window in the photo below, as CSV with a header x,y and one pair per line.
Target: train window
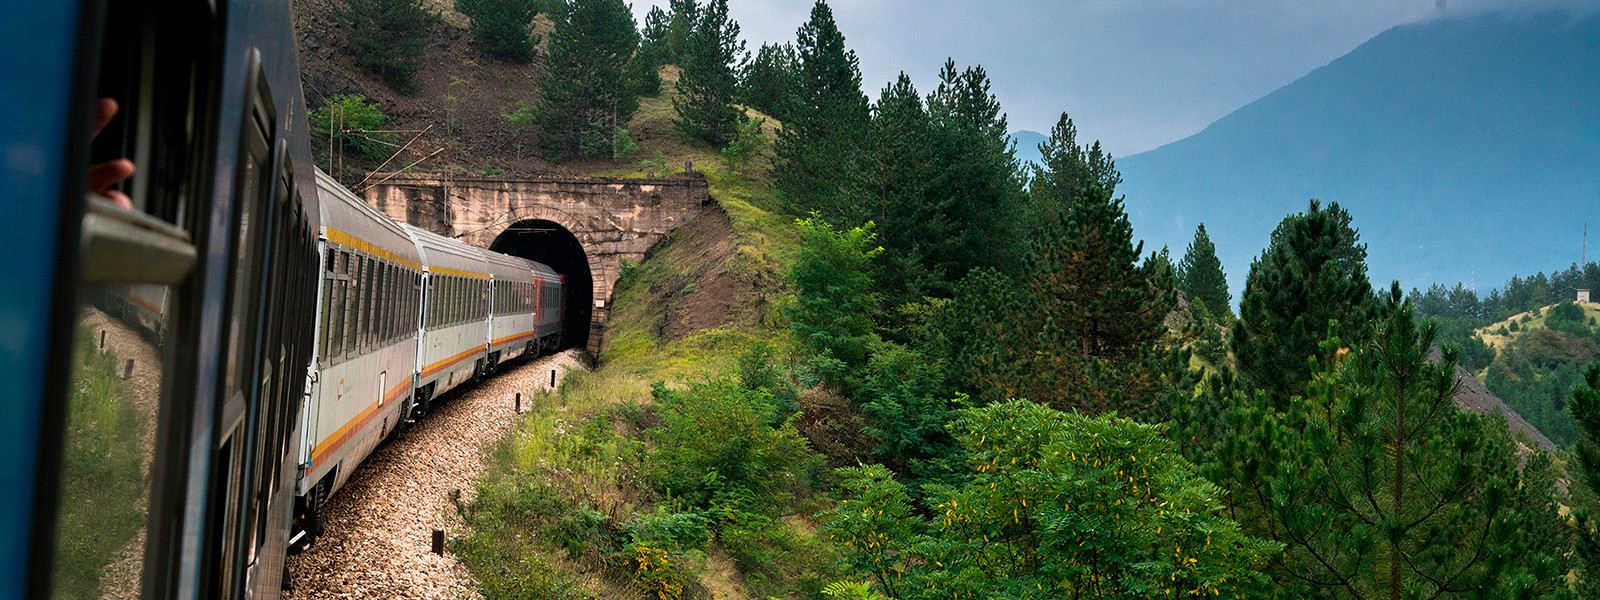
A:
x,y
379,281
348,309
427,303
328,282
388,303
390,298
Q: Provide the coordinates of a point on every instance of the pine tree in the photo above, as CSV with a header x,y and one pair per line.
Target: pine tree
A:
x,y
1101,312
588,92
654,32
1200,275
1313,272
769,80
1585,407
387,37
977,174
914,224
646,67
1385,488
709,80
1066,171
502,27
680,25
822,143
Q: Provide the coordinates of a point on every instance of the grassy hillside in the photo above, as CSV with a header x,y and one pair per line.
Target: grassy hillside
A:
x,y
1538,356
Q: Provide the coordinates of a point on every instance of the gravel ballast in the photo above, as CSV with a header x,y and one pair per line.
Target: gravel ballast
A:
x,y
380,525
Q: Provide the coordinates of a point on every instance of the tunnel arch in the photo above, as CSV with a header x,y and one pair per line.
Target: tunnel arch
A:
x,y
551,243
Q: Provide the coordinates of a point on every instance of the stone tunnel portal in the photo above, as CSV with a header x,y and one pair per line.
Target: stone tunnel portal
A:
x,y
549,243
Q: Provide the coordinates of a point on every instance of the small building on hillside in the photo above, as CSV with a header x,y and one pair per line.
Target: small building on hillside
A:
x,y
1583,295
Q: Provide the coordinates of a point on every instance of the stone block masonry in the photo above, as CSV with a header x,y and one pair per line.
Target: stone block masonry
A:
x,y
612,218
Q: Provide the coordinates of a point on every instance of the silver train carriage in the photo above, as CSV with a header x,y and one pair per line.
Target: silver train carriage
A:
x,y
404,316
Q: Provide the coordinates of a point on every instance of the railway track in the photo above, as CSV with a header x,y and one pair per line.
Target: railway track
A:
x,y
380,525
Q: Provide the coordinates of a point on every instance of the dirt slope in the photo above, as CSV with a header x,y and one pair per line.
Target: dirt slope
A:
x,y
462,93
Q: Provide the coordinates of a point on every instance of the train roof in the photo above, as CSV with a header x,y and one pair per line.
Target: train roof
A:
x,y
445,255
349,220
508,268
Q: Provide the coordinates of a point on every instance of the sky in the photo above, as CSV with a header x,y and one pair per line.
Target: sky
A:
x,y
1134,74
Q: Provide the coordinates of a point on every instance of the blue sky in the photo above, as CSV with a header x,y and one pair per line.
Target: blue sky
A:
x,y
1134,74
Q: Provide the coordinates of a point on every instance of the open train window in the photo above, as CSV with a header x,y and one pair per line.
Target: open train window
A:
x,y
118,453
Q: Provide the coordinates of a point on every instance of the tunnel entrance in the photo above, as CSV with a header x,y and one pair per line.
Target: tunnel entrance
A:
x,y
548,242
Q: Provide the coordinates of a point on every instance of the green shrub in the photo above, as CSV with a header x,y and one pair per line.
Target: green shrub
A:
x,y
748,140
347,118
747,456
506,560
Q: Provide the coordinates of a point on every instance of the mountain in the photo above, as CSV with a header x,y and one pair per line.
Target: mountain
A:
x,y
1466,149
1028,146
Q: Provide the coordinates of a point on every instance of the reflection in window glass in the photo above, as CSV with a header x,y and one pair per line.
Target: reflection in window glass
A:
x,y
109,442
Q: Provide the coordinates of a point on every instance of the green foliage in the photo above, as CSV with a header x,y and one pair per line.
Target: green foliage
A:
x,y
1056,502
352,114
832,314
387,37
652,54
522,120
103,485
709,80
589,81
902,393
769,82
1585,472
1313,272
491,170
1080,331
601,139
759,371
820,146
1536,373
982,336
748,140
1200,275
1066,173
977,183
1531,293
852,590
506,562
502,27
1457,303
899,176
1374,478
680,27
748,458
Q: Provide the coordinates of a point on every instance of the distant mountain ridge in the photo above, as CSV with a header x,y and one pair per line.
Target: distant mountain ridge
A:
x,y
1467,150
1028,146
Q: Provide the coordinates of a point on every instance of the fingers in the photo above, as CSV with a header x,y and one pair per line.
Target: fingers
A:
x,y
120,199
104,111
104,175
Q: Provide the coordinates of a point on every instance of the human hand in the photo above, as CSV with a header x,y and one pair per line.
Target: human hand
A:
x,y
104,175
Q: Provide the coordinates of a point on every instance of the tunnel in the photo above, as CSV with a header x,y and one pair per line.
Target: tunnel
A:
x,y
548,242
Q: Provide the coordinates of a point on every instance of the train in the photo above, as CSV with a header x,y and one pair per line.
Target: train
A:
x,y
406,315
289,327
